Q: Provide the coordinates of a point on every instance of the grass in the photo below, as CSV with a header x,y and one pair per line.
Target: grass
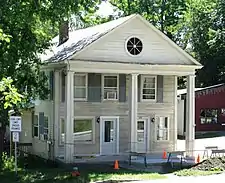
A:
x,y
40,172
62,176
191,172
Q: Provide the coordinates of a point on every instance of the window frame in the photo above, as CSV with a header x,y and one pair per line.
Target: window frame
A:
x,y
142,87
62,87
103,87
92,118
44,128
60,130
86,86
168,127
37,126
218,111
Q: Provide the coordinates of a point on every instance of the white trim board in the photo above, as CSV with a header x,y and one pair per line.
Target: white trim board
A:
x,y
127,68
117,131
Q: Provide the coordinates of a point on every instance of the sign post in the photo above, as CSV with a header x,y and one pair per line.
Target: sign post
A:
x,y
15,128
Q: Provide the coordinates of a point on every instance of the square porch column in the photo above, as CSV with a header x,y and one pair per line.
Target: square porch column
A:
x,y
69,113
190,116
133,106
56,123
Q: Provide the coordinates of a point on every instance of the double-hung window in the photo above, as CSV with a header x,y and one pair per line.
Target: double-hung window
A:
x,y
148,88
46,128
35,126
110,87
80,86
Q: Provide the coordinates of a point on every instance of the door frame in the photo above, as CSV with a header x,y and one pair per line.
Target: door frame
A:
x,y
148,130
103,118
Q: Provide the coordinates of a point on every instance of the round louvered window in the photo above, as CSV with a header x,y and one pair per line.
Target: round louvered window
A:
x,y
134,46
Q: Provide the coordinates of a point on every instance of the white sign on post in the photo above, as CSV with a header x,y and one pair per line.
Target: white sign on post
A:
x,y
15,136
15,123
15,127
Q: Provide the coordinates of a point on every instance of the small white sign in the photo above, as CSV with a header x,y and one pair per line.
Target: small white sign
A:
x,y
15,123
15,136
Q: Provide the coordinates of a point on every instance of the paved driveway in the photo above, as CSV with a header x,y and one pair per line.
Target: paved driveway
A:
x,y
201,143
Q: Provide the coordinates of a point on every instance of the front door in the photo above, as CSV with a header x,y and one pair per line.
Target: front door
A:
x,y
142,135
109,135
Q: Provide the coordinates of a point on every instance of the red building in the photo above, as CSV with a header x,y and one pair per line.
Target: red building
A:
x,y
209,109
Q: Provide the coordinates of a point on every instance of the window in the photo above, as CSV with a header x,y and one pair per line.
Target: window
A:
x,y
110,87
62,130
140,131
35,126
80,86
63,84
209,116
148,91
162,130
83,130
46,128
134,46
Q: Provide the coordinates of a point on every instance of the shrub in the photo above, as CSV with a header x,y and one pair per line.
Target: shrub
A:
x,y
8,163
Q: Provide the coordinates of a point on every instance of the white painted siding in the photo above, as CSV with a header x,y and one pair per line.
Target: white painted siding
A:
x,y
156,50
145,109
39,147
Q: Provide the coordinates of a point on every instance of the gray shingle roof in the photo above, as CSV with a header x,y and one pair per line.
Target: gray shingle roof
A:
x,y
80,39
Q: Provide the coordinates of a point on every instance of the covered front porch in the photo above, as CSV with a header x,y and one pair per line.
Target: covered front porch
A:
x,y
131,106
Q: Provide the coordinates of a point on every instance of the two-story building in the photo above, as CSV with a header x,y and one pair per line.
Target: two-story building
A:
x,y
113,91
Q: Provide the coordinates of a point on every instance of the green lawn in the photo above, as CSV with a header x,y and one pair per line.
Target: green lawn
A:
x,y
62,176
39,172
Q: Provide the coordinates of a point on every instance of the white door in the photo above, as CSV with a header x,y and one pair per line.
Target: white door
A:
x,y
142,135
109,135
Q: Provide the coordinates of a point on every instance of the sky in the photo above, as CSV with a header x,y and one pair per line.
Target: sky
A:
x,y
106,9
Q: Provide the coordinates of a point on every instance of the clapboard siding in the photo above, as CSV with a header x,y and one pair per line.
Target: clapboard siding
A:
x,y
112,48
121,109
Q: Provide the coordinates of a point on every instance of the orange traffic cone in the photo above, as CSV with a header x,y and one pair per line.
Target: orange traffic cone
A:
x,y
198,159
164,155
116,165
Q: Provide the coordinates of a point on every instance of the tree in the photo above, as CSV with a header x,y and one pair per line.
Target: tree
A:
x,y
165,15
207,40
26,30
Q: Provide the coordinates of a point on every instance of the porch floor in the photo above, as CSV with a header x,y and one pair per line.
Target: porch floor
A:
x,y
150,158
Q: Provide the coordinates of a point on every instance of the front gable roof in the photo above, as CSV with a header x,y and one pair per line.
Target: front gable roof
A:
x,y
81,39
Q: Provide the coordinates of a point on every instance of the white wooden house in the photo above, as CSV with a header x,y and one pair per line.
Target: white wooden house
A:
x,y
114,90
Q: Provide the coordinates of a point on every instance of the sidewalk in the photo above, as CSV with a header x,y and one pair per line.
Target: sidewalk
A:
x,y
175,179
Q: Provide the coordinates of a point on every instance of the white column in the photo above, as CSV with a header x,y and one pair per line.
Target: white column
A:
x,y
133,106
190,115
175,114
69,113
56,111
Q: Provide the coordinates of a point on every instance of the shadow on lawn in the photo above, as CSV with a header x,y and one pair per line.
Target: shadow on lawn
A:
x,y
38,170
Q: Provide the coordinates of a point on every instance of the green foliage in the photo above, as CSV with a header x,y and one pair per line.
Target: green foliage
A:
x,y
9,94
7,163
26,30
165,15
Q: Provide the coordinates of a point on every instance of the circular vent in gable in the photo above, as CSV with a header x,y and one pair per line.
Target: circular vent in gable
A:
x,y
134,46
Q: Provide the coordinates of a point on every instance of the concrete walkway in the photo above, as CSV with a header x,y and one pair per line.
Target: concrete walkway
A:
x,y
175,179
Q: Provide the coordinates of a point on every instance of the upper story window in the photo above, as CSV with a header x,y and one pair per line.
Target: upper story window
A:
x,y
148,88
110,87
208,116
80,86
63,87
35,126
